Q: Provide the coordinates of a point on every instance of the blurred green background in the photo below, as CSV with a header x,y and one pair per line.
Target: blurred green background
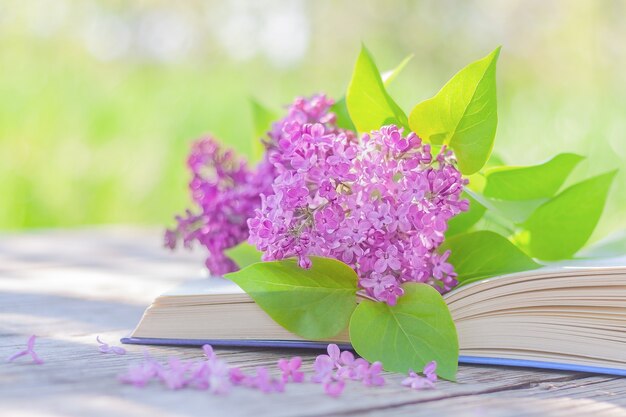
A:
x,y
99,100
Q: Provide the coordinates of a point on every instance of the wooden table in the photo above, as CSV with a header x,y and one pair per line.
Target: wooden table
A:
x,y
68,286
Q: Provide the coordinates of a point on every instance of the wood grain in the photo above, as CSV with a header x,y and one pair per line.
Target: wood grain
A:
x,y
69,286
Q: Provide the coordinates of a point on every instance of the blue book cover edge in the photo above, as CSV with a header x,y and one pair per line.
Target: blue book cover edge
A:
x,y
471,360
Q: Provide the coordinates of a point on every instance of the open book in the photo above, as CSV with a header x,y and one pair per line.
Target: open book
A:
x,y
568,316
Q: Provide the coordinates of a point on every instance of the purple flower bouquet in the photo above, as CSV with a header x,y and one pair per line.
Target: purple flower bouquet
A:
x,y
354,200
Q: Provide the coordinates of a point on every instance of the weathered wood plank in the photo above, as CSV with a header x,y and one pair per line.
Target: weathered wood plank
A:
x,y
476,406
68,287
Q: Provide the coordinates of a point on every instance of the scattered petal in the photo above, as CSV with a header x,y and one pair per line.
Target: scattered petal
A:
x,y
372,376
30,350
208,351
418,382
290,369
105,348
334,387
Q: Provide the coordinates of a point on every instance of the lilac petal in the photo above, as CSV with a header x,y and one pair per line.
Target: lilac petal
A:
x,y
237,376
372,377
278,385
333,352
376,381
137,375
334,388
420,383
407,381
429,371
347,358
297,376
283,365
30,345
323,367
295,363
380,265
30,350
263,380
208,351
17,355
118,350
345,372
376,367
36,358
199,378
105,348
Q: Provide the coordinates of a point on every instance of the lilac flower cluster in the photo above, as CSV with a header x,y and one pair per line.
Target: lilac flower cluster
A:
x,y
334,369
380,204
226,192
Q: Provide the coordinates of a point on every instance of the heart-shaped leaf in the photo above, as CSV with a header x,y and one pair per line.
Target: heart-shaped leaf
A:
x,y
484,254
340,107
417,330
313,303
561,226
369,104
510,212
244,254
463,114
531,182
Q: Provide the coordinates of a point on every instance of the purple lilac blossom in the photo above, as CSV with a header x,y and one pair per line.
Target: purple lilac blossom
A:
x,y
380,204
418,382
30,350
333,369
226,193
290,369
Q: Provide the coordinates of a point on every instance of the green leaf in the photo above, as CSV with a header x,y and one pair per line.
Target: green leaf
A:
x,y
340,107
509,213
244,254
313,303
494,161
417,330
343,117
464,220
484,254
263,119
389,76
531,182
369,104
562,225
463,114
